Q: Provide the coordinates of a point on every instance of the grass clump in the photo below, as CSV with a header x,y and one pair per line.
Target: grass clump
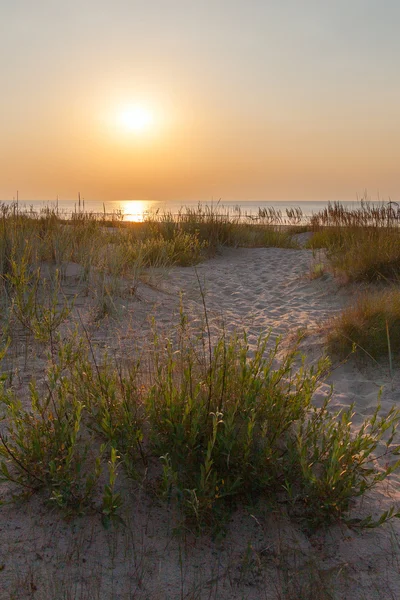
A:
x,y
362,243
262,236
371,327
216,228
361,254
183,249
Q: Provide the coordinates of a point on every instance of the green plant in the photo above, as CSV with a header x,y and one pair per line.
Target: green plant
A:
x,y
183,249
362,243
371,326
338,465
35,301
228,425
112,401
112,501
43,447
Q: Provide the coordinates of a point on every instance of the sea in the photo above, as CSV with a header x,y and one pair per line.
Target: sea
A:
x,y
138,210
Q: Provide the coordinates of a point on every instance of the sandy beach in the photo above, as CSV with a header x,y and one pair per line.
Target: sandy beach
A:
x,y
200,300
262,554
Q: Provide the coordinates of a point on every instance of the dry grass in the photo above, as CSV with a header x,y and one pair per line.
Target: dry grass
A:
x,y
362,243
371,326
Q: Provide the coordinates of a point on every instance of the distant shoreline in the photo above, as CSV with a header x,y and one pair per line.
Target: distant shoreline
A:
x,y
136,210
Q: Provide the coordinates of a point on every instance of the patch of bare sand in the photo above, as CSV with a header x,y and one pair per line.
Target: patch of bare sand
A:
x,y
263,554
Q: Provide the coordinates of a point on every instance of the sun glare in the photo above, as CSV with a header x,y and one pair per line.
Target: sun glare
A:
x,y
135,210
136,119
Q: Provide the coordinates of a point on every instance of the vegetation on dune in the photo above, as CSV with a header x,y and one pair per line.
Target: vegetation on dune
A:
x,y
363,243
108,251
370,327
221,424
210,423
236,426
161,239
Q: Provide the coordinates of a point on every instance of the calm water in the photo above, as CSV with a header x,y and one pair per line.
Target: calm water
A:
x,y
136,210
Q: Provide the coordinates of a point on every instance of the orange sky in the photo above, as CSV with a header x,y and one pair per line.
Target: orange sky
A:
x,y
250,101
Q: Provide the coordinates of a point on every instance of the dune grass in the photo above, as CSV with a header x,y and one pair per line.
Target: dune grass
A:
x,y
161,239
362,243
370,327
216,228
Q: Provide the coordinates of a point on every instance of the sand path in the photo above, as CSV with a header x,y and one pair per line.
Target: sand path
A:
x,y
260,289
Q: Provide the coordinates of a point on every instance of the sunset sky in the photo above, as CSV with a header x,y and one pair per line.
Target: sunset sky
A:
x,y
200,99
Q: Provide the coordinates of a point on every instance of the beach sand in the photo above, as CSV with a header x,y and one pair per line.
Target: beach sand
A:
x,y
263,554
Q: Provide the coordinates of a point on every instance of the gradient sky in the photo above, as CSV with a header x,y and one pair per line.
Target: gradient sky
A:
x,y
252,100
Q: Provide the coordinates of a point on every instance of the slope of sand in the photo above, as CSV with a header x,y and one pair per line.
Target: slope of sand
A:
x,y
263,554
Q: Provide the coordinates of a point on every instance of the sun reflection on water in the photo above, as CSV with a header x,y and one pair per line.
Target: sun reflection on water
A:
x,y
138,210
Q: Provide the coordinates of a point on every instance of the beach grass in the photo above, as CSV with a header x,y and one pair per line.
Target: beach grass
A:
x,y
362,246
161,239
362,243
370,326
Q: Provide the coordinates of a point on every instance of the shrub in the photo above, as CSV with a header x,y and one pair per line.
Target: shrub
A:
x,y
232,426
225,425
113,404
57,444
338,464
35,300
43,448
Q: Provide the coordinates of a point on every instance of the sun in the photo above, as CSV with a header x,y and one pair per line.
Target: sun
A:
x,y
136,119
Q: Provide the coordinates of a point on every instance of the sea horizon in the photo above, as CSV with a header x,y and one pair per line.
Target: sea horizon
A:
x,y
137,210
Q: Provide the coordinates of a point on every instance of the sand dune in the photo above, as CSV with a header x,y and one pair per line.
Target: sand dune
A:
x,y
263,555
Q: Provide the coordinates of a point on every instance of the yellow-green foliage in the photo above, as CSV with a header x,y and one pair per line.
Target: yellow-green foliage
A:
x,y
363,243
116,247
362,254
223,425
371,326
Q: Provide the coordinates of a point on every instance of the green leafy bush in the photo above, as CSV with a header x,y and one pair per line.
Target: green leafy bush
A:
x,y
43,447
232,425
